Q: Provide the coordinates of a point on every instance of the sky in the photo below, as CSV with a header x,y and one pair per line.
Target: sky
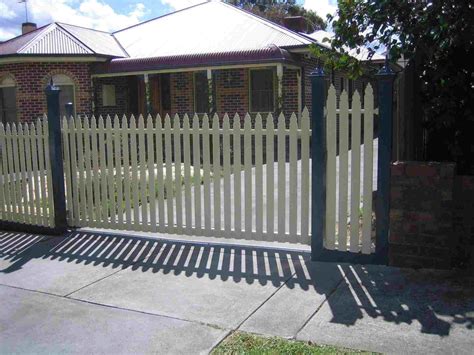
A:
x,y
106,15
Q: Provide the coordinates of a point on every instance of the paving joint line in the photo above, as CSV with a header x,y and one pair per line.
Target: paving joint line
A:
x,y
92,283
265,301
319,307
215,326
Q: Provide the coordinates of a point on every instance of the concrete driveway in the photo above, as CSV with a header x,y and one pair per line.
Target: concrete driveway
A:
x,y
105,293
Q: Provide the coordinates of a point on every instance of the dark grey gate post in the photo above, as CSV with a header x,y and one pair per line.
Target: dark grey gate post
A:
x,y
318,166
56,158
385,79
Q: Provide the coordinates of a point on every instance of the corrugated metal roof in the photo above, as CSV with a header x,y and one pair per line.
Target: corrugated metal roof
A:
x,y
121,65
210,27
61,39
54,40
13,45
98,41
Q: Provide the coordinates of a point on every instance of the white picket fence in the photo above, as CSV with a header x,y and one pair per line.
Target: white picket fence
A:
x,y
25,174
188,176
349,188
199,176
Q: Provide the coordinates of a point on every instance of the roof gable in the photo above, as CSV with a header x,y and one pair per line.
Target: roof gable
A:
x,y
54,40
210,27
65,40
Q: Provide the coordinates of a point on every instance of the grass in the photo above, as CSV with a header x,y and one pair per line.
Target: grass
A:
x,y
245,343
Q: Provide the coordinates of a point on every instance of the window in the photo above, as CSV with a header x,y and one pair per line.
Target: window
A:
x,y
108,95
165,89
7,100
262,90
66,95
201,92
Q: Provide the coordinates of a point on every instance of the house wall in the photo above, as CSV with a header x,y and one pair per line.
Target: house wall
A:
x,y
182,97
232,91
32,78
121,96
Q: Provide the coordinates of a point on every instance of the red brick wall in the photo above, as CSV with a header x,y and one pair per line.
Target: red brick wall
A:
x,y
290,91
31,79
121,96
421,215
463,220
182,97
232,91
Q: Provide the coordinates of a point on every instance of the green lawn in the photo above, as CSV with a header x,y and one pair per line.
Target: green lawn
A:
x,y
244,343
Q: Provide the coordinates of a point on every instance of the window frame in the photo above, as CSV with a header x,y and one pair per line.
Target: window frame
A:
x,y
8,81
61,83
274,88
113,102
195,93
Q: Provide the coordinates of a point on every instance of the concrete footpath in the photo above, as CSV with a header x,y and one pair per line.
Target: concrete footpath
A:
x,y
104,293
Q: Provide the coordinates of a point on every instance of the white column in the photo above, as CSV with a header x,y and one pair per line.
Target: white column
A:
x,y
300,92
209,89
280,87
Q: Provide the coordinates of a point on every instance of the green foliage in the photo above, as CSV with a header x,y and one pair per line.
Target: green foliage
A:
x,y
243,343
276,11
437,37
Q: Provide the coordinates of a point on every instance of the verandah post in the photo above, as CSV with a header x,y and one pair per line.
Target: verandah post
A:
x,y
318,166
385,80
55,157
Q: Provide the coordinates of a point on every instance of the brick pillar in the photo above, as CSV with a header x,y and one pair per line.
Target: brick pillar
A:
x,y
421,215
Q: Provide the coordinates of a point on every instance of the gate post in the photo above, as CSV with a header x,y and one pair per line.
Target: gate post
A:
x,y
385,81
318,166
56,158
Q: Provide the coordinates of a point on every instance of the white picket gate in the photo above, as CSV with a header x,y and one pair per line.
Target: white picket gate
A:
x,y
25,174
349,215
184,176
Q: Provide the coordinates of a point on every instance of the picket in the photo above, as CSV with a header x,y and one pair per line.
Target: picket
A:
x,y
343,170
216,174
169,176
355,173
368,172
88,172
331,169
304,190
196,173
293,187
206,173
248,176
151,173
177,182
237,163
187,175
270,182
281,176
258,175
226,152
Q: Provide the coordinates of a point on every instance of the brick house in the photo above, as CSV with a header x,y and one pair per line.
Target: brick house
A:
x,y
210,57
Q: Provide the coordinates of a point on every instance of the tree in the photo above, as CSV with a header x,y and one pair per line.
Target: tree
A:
x,y
437,37
276,11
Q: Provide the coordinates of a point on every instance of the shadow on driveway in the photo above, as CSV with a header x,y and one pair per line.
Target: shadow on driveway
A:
x,y
438,301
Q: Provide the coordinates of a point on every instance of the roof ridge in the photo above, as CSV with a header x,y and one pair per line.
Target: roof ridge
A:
x,y
265,21
158,17
83,27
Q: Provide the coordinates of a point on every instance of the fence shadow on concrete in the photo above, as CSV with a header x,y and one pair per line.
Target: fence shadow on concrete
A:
x,y
435,300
